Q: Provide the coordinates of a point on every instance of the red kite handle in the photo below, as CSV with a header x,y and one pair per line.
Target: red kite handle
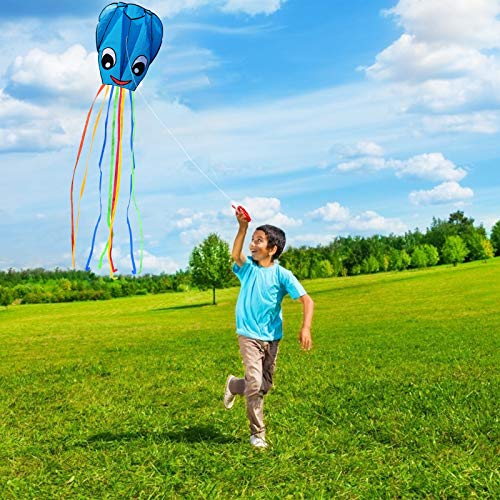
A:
x,y
239,208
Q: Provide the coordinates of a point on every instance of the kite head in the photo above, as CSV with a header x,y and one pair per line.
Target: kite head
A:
x,y
128,38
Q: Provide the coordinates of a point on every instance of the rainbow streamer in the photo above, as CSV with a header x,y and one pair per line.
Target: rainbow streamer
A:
x,y
82,140
115,173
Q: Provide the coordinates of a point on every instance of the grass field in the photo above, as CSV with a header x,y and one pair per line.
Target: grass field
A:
x,y
121,399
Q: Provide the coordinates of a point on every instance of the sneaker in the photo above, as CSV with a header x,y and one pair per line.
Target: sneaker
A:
x,y
258,442
229,397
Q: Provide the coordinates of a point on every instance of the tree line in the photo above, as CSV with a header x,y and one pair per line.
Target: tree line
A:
x,y
446,241
33,286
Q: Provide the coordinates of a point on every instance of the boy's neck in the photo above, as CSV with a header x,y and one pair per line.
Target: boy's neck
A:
x,y
266,262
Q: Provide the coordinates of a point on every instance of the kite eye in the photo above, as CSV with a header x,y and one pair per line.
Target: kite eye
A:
x,y
108,58
139,66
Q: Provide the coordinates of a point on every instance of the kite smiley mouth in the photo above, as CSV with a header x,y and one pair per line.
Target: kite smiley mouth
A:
x,y
120,82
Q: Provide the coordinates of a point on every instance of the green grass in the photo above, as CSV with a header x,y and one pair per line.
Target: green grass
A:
x,y
122,398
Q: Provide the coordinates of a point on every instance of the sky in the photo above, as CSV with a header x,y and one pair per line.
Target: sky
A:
x,y
326,118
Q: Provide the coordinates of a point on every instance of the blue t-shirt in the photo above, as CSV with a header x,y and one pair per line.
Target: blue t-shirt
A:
x,y
258,310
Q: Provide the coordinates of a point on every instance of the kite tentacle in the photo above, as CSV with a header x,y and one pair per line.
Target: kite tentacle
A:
x,y
132,192
116,182
82,140
84,180
87,267
111,163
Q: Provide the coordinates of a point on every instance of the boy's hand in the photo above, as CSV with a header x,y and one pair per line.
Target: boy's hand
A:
x,y
305,339
242,220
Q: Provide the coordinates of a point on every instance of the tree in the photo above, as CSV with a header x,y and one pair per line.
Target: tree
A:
x,y
454,250
210,264
495,237
6,296
487,252
432,254
419,257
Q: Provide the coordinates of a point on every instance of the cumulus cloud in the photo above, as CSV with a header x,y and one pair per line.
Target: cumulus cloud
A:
x,y
428,166
331,212
447,60
447,192
71,74
27,127
268,210
470,22
345,221
152,264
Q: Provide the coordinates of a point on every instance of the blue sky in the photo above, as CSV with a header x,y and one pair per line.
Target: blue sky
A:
x,y
326,118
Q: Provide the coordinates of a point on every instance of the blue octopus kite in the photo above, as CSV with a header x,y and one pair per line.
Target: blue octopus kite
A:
x,y
128,38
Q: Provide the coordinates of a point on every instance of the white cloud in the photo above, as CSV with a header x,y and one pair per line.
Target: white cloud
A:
x,y
430,166
331,212
368,221
268,211
71,73
447,59
447,192
156,264
471,22
150,263
374,222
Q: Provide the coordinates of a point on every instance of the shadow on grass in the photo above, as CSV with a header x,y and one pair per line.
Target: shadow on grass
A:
x,y
187,434
186,306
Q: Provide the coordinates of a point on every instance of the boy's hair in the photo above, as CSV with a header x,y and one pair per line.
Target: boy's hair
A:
x,y
275,236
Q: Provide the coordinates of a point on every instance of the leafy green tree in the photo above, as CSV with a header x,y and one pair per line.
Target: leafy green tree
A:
x,y
370,265
495,237
6,296
432,254
487,249
210,264
322,269
419,257
454,250
475,244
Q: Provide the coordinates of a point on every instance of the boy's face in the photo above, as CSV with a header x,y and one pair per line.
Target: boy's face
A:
x,y
258,247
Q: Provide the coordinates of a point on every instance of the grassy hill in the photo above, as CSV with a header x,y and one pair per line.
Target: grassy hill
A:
x,y
122,398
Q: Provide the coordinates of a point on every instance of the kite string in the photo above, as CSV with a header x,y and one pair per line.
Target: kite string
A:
x,y
183,149
172,135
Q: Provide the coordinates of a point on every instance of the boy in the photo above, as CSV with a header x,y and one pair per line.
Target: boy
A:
x,y
264,283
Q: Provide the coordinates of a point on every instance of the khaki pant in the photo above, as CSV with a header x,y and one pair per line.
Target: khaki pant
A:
x,y
259,359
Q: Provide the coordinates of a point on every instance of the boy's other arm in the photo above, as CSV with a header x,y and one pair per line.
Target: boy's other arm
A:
x,y
305,338
237,253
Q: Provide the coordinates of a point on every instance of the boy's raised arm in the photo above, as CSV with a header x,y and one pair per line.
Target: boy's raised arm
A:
x,y
237,253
